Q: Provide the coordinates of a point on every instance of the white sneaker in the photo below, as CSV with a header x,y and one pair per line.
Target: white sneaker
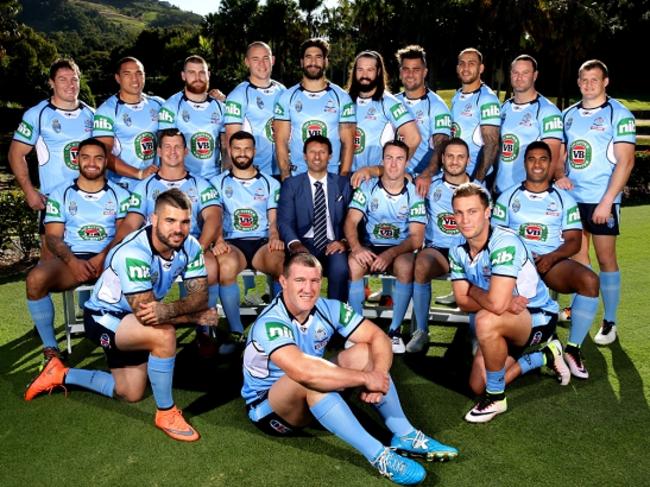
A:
x,y
419,340
573,358
554,361
487,408
398,344
448,299
607,333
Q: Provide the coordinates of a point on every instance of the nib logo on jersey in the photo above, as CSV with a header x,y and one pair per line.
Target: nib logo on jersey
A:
x,y
534,231
246,220
359,140
70,153
92,232
504,256
145,146
313,127
447,224
580,154
202,145
137,270
509,147
275,330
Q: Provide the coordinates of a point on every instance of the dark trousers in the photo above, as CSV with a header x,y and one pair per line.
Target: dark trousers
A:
x,y
336,270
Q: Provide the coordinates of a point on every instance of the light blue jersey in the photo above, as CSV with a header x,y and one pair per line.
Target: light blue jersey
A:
x,y
202,124
469,111
504,255
198,190
387,216
89,219
133,127
522,124
246,203
252,107
377,122
133,267
314,113
55,133
432,116
590,135
276,328
442,230
538,218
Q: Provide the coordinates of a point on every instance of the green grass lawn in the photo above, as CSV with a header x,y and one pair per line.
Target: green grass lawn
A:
x,y
591,432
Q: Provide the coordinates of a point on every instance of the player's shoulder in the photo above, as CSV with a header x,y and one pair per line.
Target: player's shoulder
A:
x,y
435,98
239,89
153,100
620,108
486,92
173,100
39,108
118,190
108,105
571,108
503,236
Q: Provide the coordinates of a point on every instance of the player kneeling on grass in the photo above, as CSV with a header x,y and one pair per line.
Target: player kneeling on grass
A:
x,y
494,278
126,317
287,383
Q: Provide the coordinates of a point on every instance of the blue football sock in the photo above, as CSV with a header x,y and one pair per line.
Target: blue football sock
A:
x,y
277,288
94,380
249,282
583,313
356,296
213,295
230,301
335,415
610,290
386,286
42,311
530,361
401,299
496,381
391,410
161,374
421,304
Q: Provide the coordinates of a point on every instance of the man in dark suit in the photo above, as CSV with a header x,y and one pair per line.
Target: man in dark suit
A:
x,y
311,213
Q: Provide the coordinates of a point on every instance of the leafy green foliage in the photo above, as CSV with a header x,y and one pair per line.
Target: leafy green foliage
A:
x,y
18,224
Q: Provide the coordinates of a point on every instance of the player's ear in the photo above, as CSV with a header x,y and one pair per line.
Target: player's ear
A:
x,y
283,281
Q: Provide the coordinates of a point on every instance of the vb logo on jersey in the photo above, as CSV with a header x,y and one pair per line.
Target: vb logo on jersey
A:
x,y
137,270
145,146
70,153
455,130
386,231
202,145
268,131
275,330
504,256
580,154
246,220
92,232
447,224
509,147
534,231
313,127
359,141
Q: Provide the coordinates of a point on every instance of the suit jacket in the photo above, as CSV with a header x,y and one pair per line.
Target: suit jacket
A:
x,y
295,214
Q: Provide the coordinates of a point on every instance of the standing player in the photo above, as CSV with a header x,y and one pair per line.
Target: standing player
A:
x,y
599,140
314,107
127,123
475,114
380,116
249,106
394,219
494,279
81,219
526,117
127,318
548,220
249,238
441,234
429,111
287,383
54,127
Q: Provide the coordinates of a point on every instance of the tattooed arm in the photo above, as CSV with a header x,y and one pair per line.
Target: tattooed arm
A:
x,y
82,270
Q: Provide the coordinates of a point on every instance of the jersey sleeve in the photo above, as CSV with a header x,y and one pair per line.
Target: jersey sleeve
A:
x,y
507,257
417,210
281,109
360,198
456,269
167,114
348,112
196,265
272,333
571,214
138,199
124,201
104,120
208,194
236,105
500,210
28,130
132,265
397,112
489,109
550,122
439,117
55,208
274,194
344,318
624,125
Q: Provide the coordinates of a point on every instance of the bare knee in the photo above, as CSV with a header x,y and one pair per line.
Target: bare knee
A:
x,y
589,284
485,325
357,357
129,395
164,341
35,284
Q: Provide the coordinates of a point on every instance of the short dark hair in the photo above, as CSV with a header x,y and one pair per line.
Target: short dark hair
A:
x,y
173,197
525,57
173,132
63,63
538,144
354,87
124,60
395,143
594,64
258,44
92,141
466,190
453,141
241,135
317,139
412,51
303,259
318,42
194,58
474,50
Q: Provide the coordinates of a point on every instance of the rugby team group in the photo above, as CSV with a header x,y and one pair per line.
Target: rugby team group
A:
x,y
316,181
